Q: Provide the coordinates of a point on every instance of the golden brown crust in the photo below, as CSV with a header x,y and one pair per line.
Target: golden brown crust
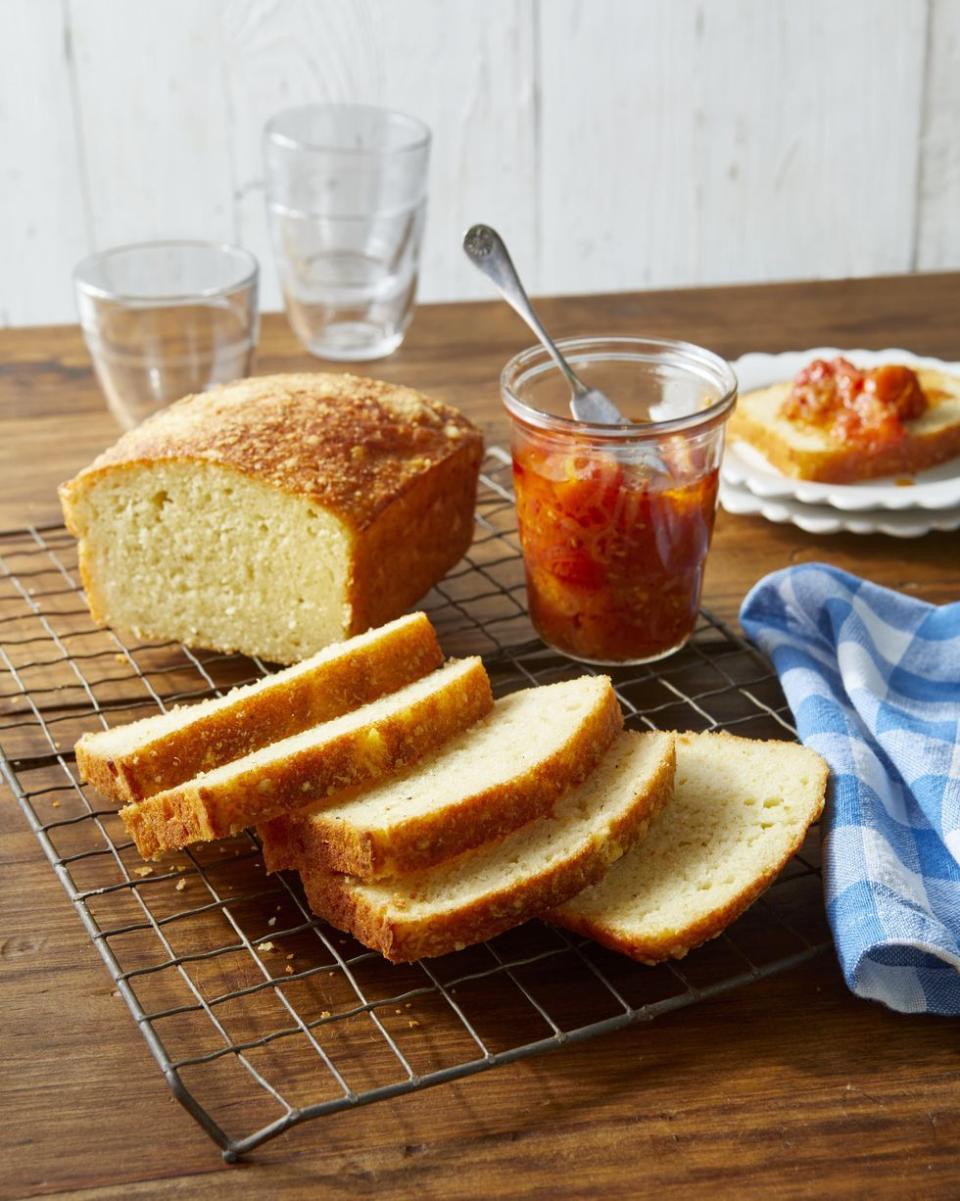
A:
x,y
416,539
402,941
101,772
655,950
200,811
353,445
430,838
88,577
264,713
838,463
848,465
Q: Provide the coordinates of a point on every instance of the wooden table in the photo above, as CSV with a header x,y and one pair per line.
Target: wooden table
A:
x,y
788,1088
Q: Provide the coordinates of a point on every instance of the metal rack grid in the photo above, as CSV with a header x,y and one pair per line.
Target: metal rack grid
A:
x,y
260,1015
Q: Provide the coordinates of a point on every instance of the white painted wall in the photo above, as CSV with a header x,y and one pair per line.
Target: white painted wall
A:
x,y
616,143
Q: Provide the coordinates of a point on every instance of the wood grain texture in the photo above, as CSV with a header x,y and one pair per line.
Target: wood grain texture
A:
x,y
617,143
938,231
732,144
468,78
43,207
151,114
789,1088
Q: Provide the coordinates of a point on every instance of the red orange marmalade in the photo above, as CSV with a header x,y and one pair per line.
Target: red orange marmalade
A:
x,y
614,556
854,406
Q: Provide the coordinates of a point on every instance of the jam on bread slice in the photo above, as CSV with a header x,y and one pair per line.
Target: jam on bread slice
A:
x,y
837,423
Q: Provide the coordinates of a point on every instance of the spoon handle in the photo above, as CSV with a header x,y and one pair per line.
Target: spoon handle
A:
x,y
486,250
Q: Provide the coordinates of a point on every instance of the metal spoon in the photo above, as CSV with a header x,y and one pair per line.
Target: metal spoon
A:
x,y
486,250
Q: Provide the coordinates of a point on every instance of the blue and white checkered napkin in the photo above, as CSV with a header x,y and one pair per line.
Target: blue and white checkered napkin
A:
x,y
873,679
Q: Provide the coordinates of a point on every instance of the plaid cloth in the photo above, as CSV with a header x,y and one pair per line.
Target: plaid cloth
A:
x,y
873,679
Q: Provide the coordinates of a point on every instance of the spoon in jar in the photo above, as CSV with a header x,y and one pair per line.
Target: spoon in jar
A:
x,y
486,250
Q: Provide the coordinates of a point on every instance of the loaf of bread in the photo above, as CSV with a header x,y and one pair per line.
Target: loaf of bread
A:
x,y
808,452
275,515
131,762
359,748
483,892
499,774
740,809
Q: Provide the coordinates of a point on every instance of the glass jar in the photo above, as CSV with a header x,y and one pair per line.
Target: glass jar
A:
x,y
615,521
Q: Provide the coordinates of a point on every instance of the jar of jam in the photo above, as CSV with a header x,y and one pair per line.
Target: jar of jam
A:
x,y
615,521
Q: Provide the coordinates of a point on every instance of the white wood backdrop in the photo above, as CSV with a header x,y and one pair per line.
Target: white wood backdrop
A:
x,y
616,143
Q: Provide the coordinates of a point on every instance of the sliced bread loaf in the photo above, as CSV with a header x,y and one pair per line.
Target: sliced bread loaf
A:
x,y
483,892
356,748
135,761
740,809
498,775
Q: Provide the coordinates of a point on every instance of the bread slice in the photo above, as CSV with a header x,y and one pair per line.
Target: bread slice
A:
x,y
137,760
483,892
275,515
740,809
503,772
808,453
357,748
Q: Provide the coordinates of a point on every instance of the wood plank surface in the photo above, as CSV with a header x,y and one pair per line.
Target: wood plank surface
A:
x,y
466,77
165,121
44,229
787,1088
717,124
938,235
682,152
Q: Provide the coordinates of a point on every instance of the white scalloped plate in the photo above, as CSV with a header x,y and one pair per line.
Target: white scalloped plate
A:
x,y
744,467
821,519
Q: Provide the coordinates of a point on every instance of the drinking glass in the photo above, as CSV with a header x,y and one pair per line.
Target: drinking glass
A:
x,y
346,197
614,536
164,319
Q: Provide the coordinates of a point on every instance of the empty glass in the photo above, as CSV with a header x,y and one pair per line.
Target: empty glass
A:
x,y
163,319
346,195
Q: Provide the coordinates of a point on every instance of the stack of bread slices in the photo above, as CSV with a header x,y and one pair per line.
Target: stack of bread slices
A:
x,y
423,815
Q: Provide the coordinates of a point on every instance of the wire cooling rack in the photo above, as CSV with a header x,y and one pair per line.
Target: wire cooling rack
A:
x,y
260,1015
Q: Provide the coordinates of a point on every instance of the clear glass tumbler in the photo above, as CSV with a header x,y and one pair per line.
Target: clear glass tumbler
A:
x,y
615,521
163,319
346,196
